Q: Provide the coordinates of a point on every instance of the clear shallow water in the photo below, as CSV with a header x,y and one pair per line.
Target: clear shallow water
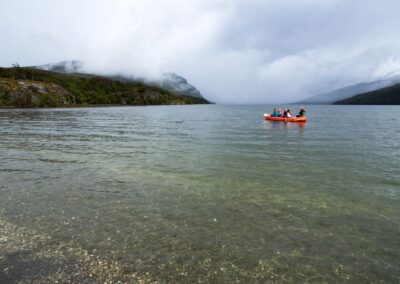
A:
x,y
212,193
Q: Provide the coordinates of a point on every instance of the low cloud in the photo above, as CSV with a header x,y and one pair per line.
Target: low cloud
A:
x,y
233,51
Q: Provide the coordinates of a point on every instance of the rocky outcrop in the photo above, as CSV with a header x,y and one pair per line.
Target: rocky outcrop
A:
x,y
24,93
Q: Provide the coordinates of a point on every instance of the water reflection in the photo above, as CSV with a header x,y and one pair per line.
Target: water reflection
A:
x,y
283,124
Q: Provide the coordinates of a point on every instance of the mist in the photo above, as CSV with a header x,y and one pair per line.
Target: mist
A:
x,y
241,52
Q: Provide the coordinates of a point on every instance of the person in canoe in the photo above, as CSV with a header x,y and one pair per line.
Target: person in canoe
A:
x,y
302,112
288,113
275,113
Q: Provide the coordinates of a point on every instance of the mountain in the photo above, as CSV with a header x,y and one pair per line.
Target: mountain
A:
x,y
32,87
72,66
178,85
385,96
172,82
349,91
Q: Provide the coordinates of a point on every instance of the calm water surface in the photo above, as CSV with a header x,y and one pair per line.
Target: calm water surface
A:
x,y
212,193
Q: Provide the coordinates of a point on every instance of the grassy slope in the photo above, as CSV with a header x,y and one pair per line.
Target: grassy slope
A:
x,y
96,90
385,96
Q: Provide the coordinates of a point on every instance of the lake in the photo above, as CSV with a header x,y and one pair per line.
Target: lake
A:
x,y
212,193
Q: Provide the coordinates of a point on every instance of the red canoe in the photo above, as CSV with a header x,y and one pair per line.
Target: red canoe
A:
x,y
285,119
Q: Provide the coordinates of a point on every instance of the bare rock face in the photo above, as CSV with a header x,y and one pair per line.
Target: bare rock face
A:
x,y
23,93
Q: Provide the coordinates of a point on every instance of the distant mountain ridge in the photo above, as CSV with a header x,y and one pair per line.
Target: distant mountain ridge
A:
x,y
352,90
385,96
172,82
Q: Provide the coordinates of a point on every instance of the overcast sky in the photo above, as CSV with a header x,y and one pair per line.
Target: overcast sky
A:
x,y
233,51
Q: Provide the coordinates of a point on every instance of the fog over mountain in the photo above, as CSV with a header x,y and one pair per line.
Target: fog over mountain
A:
x,y
170,81
72,66
244,51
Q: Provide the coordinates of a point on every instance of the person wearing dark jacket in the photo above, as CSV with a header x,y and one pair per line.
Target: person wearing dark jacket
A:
x,y
302,112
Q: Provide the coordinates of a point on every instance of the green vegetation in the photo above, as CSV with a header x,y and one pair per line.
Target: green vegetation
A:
x,y
385,96
29,87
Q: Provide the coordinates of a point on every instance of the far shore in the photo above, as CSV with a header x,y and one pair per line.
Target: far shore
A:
x,y
98,106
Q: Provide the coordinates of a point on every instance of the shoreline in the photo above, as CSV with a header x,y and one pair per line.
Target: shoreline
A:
x,y
27,256
97,106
